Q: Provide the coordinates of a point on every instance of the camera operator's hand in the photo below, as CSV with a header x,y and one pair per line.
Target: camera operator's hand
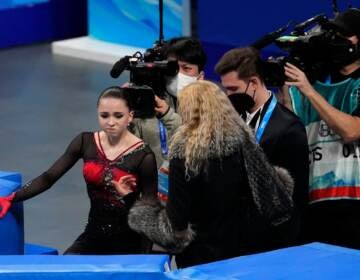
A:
x,y
161,106
126,85
298,78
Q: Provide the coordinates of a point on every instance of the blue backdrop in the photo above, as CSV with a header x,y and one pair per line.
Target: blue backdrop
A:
x,y
234,23
135,22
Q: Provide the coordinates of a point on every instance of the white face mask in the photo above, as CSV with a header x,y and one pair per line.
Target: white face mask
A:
x,y
178,82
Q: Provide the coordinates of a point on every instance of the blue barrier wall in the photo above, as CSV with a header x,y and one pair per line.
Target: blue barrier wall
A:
x,y
143,267
31,21
310,261
12,225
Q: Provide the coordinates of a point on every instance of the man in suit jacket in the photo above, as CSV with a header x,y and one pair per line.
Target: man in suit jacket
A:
x,y
279,132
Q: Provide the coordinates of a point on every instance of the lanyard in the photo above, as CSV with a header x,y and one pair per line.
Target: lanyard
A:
x,y
265,120
163,138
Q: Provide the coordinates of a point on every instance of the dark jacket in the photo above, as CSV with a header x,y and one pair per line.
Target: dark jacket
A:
x,y
285,144
210,216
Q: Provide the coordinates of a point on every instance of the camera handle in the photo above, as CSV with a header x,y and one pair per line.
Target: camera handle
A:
x,y
161,30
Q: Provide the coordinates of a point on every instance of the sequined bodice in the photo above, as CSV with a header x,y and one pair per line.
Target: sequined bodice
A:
x,y
107,208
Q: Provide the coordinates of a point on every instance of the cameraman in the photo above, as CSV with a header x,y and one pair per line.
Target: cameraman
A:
x,y
331,114
278,131
191,58
157,131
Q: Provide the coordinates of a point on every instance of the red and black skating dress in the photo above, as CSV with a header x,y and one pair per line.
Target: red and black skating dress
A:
x,y
107,231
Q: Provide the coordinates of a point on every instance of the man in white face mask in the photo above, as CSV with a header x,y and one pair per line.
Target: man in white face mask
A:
x,y
191,59
188,73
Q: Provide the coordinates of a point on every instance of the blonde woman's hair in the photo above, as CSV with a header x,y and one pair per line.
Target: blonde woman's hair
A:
x,y
209,123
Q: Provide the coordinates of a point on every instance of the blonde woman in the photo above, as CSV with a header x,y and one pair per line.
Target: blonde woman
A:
x,y
220,184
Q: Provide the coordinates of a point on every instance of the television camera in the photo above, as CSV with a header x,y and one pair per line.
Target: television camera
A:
x,y
148,73
317,51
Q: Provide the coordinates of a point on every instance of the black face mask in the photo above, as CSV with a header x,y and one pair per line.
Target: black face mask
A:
x,y
242,102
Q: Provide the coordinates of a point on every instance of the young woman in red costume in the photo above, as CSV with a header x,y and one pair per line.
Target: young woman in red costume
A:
x,y
112,157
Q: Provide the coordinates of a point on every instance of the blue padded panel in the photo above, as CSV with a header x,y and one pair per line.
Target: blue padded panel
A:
x,y
10,176
311,261
83,267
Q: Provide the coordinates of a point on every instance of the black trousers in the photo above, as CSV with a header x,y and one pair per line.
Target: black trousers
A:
x,y
335,222
94,244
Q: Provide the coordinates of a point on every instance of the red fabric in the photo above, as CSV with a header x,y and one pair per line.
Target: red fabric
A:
x,y
118,173
5,204
94,172
336,192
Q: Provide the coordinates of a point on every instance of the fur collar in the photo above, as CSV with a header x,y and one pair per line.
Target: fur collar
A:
x,y
230,143
151,219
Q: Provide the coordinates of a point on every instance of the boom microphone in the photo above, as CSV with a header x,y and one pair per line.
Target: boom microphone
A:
x,y
269,38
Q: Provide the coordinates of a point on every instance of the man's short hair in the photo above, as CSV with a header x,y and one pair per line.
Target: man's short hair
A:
x,y
188,50
245,61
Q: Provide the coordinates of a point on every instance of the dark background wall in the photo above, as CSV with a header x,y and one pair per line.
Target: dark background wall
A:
x,y
42,21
